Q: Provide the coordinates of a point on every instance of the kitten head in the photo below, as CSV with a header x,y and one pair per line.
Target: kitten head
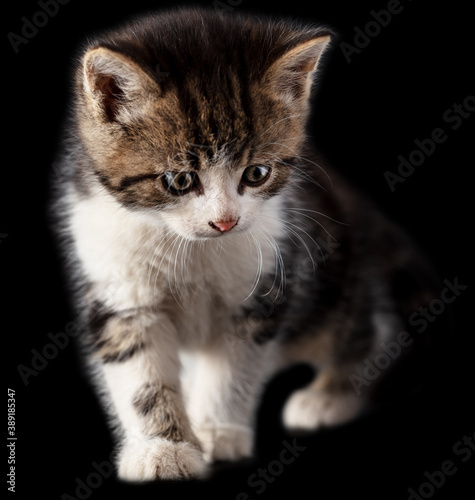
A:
x,y
197,117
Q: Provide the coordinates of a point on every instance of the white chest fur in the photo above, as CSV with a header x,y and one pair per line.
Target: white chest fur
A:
x,y
135,261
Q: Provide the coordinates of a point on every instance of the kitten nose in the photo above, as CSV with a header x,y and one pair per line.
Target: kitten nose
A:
x,y
223,226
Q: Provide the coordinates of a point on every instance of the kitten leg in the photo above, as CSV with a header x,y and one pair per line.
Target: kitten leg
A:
x,y
328,400
228,380
139,364
341,391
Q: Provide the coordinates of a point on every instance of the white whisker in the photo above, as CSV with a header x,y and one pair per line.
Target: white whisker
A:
x,y
160,251
259,266
316,222
315,212
289,227
296,155
278,262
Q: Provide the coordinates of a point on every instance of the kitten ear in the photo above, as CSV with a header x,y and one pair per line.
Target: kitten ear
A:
x,y
291,75
116,86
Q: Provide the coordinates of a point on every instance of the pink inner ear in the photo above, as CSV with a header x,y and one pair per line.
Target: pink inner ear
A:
x,y
291,73
110,92
304,57
307,65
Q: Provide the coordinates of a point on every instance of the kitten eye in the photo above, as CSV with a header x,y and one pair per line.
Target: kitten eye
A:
x,y
179,182
256,175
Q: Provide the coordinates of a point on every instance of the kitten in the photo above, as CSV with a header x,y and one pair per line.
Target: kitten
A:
x,y
206,246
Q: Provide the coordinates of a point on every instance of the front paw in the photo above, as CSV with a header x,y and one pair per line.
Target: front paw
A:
x,y
225,442
157,458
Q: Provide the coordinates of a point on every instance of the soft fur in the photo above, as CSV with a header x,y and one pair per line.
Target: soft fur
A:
x,y
185,323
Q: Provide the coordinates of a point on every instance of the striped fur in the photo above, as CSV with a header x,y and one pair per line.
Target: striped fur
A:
x,y
184,323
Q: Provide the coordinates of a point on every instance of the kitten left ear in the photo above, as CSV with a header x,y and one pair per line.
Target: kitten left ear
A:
x,y
115,85
291,75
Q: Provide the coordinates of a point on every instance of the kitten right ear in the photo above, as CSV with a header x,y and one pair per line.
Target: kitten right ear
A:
x,y
116,86
290,77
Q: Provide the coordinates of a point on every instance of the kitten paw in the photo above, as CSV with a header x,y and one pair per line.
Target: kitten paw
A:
x,y
308,410
148,460
225,443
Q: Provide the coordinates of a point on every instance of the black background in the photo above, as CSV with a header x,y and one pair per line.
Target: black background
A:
x,y
367,113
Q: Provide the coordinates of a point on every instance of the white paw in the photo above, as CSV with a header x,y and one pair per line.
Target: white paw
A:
x,y
310,409
157,458
226,442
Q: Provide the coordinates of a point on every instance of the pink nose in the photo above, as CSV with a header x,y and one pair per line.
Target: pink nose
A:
x,y
223,226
